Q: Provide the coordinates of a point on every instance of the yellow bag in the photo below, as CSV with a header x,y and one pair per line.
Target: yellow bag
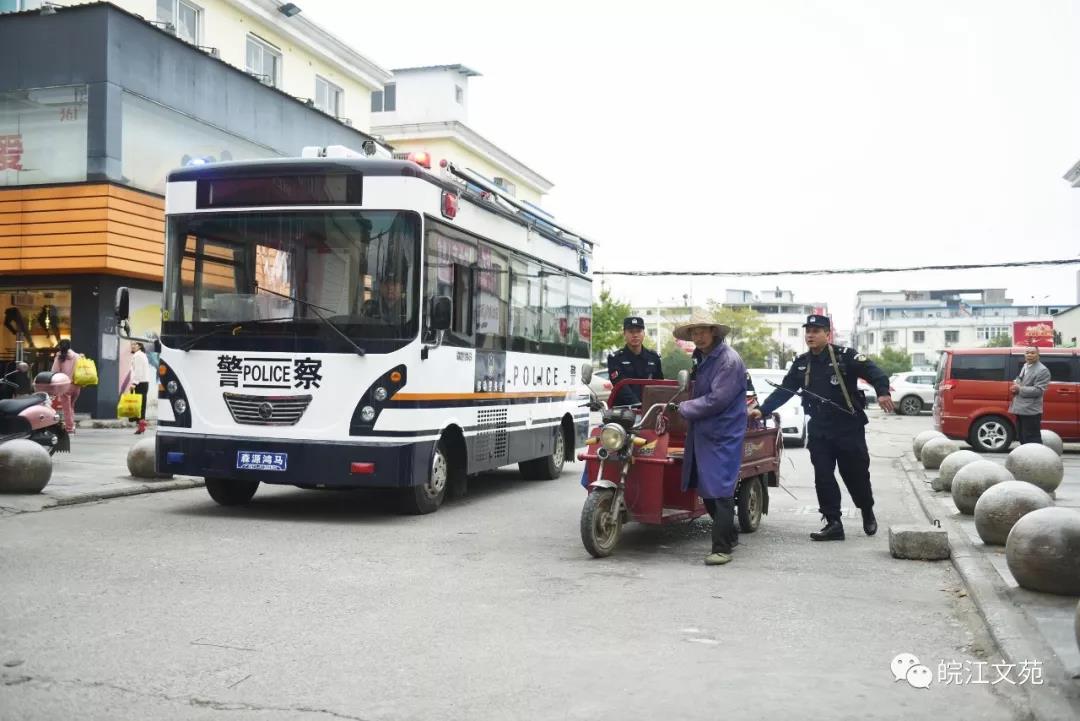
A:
x,y
85,372
130,406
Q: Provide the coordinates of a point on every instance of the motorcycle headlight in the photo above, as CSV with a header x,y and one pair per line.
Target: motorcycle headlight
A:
x,y
612,436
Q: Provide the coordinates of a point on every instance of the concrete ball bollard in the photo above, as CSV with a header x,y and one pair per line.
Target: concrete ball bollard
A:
x,y
141,460
25,467
1037,464
952,463
936,450
1002,505
1053,440
920,440
1043,551
973,480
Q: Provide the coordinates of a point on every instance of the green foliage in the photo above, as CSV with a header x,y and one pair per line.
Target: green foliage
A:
x,y
999,341
674,359
892,360
750,336
607,320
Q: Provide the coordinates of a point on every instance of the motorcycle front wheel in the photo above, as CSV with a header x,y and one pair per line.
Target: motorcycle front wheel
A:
x,y
600,525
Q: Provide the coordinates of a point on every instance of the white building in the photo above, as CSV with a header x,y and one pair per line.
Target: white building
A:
x,y
925,322
426,109
783,315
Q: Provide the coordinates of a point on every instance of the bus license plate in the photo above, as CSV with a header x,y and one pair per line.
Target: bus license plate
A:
x,y
261,461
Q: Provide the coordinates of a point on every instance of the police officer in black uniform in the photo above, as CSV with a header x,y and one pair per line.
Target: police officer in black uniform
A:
x,y
633,360
837,436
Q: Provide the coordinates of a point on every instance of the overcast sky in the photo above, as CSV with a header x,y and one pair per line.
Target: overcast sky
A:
x,y
775,134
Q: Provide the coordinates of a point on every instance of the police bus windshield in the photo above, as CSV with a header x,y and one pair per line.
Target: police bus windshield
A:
x,y
274,273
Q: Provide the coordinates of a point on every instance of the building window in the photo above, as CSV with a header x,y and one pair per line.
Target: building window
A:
x,y
506,185
869,338
793,332
385,100
952,336
328,97
263,61
918,336
888,337
985,333
918,359
185,19
459,95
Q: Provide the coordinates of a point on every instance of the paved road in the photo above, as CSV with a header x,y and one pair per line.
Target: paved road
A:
x,y
327,605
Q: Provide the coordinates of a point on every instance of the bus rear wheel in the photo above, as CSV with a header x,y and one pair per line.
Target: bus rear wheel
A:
x,y
429,495
550,466
231,493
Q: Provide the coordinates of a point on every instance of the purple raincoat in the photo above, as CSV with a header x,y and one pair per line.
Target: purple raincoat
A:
x,y
717,414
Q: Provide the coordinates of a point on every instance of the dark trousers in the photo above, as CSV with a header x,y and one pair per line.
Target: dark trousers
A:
x,y
848,452
142,389
724,532
1028,428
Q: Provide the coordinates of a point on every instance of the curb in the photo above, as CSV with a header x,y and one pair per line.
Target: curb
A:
x,y
136,489
1015,635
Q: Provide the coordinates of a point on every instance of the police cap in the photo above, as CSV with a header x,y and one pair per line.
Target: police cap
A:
x,y
818,321
633,322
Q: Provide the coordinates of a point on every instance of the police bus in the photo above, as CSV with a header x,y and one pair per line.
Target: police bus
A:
x,y
343,321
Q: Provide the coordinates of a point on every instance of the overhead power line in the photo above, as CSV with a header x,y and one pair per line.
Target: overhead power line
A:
x,y
835,271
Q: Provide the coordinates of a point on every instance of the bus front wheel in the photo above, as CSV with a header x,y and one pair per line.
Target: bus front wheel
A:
x,y
231,493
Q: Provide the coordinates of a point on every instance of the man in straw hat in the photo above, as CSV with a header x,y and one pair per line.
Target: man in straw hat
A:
x,y
830,373
717,415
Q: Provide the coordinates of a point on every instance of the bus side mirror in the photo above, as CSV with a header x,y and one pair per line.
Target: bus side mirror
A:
x,y
684,380
441,313
123,302
586,373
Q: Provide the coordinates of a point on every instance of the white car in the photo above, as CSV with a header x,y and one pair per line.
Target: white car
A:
x,y
600,385
912,392
792,418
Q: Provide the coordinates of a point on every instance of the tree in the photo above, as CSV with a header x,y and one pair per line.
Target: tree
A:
x,y
1004,340
607,320
674,359
750,336
892,360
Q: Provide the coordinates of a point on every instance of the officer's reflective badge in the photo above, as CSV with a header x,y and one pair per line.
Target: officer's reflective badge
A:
x,y
834,380
861,358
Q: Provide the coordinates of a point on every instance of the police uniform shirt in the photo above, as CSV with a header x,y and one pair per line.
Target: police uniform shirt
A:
x,y
824,382
624,363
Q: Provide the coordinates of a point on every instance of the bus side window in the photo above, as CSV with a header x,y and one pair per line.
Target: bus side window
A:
x,y
463,301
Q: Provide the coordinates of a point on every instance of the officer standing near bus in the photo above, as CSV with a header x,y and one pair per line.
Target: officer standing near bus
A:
x,y
633,360
837,434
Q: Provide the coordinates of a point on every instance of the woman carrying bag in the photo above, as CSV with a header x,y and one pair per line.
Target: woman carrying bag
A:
x,y
64,362
140,381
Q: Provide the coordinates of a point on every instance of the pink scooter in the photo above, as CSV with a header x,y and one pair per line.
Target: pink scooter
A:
x,y
33,417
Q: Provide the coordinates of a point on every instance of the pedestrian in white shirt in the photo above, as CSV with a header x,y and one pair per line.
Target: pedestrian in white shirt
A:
x,y
140,381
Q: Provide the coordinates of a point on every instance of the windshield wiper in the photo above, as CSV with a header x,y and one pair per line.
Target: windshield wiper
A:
x,y
232,326
315,309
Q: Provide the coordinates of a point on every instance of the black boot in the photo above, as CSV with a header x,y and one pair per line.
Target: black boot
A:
x,y
869,521
833,531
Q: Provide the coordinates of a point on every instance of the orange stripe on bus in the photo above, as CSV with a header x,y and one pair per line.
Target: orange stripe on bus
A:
x,y
470,396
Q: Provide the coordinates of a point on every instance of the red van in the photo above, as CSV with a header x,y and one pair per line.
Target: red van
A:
x,y
971,398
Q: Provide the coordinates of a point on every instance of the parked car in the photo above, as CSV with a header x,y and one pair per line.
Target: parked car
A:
x,y
600,385
912,392
792,418
971,401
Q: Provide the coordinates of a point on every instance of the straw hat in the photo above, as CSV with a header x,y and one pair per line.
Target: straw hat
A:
x,y
699,320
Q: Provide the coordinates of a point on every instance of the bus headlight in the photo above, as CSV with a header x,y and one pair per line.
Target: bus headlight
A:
x,y
180,406
380,394
367,414
612,436
172,386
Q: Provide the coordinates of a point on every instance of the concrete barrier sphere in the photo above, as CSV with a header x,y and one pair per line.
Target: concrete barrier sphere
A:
x,y
1037,464
1002,505
1043,551
25,467
1053,440
920,439
936,450
952,463
972,480
141,460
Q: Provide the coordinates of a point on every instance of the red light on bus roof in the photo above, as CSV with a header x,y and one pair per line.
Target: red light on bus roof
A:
x,y
443,163
449,205
421,158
